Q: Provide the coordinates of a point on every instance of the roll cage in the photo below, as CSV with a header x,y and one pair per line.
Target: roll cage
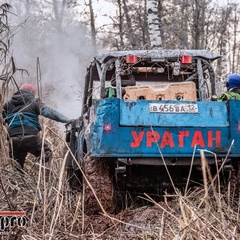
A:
x,y
126,68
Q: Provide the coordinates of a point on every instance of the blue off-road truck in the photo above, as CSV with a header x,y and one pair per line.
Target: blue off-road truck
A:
x,y
147,118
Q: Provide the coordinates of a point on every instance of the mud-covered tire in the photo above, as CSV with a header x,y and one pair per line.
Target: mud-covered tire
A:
x,y
100,174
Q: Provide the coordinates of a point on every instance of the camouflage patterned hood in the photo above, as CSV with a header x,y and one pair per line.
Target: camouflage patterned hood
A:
x,y
158,54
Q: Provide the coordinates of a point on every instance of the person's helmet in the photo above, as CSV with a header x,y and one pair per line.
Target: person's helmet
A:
x,y
233,81
28,87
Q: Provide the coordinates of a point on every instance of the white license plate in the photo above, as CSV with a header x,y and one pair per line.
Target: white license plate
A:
x,y
173,108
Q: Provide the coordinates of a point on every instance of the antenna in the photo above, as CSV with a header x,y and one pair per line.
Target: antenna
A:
x,y
39,81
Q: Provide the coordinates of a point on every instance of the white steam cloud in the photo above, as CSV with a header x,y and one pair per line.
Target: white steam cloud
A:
x,y
63,55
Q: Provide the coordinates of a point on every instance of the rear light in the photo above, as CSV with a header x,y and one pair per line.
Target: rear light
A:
x,y
107,127
131,59
186,59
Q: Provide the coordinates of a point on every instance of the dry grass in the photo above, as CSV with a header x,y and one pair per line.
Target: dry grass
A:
x,y
42,192
55,212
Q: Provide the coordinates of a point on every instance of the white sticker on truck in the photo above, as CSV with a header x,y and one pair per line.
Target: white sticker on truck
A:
x,y
173,108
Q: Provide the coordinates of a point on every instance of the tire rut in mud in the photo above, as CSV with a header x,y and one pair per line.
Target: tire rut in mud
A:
x,y
100,175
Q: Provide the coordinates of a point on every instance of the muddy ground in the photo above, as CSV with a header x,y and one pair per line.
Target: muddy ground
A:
x,y
54,211
54,214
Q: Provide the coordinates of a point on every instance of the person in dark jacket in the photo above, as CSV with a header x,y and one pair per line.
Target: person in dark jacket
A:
x,y
21,114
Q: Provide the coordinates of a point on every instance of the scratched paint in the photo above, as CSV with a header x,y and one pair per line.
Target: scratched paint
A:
x,y
211,130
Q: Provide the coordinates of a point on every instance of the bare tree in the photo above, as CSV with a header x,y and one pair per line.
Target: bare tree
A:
x,y
129,30
120,24
184,24
58,10
223,42
153,7
236,26
93,29
198,8
145,31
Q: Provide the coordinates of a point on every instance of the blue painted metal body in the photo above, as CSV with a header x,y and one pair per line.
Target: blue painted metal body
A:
x,y
136,132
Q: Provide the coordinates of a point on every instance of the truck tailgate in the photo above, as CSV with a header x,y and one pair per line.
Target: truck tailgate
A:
x,y
177,114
